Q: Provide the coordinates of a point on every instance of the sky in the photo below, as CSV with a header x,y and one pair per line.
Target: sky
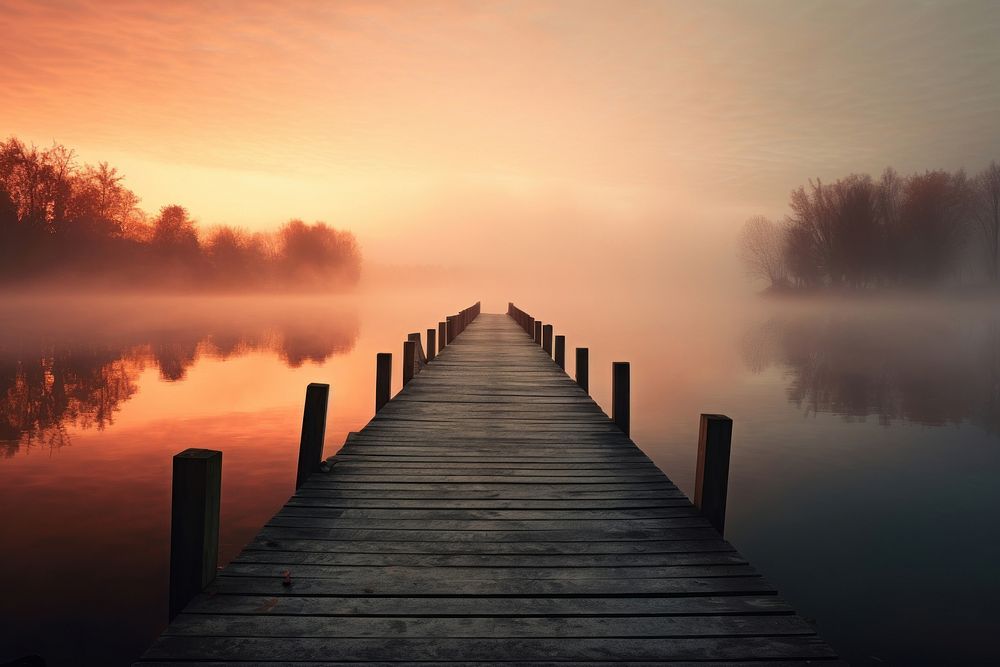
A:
x,y
454,133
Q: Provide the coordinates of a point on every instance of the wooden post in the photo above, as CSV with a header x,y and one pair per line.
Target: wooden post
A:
x,y
431,344
620,395
547,339
313,431
194,524
383,379
530,326
452,328
421,358
442,335
561,352
409,357
711,484
583,368
538,332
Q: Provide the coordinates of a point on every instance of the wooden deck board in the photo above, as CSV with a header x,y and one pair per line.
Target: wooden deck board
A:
x,y
490,513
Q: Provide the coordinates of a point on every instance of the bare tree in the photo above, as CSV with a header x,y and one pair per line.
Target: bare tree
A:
x,y
762,250
986,210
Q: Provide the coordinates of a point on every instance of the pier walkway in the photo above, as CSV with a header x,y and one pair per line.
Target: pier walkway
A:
x,y
490,513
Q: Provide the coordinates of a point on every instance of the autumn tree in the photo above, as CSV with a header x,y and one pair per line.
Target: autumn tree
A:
x,y
174,231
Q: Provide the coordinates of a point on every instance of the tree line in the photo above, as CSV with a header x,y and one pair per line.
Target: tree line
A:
x,y
893,231
60,220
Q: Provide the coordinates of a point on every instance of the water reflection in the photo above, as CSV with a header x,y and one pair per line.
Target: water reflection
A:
x,y
82,374
929,369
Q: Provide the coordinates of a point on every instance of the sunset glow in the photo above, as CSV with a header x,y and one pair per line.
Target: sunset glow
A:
x,y
384,116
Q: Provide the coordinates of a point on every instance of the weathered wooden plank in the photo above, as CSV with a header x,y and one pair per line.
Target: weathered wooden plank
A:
x,y
300,555
280,538
299,507
363,573
506,649
439,584
201,625
495,607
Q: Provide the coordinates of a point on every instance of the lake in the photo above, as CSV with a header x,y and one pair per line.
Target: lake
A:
x,y
863,478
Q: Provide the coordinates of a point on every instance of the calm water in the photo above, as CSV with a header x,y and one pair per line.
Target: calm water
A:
x,y
863,478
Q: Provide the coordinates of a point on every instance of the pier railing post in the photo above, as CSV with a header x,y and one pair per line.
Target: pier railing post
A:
x,y
620,403
431,344
538,332
194,524
583,368
409,357
383,379
452,328
442,335
561,352
547,339
420,357
711,484
313,431
529,326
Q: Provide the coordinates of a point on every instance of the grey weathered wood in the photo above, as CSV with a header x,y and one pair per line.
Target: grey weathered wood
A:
x,y
560,353
621,395
409,360
420,358
313,431
715,435
431,344
490,513
583,368
383,379
194,524
547,339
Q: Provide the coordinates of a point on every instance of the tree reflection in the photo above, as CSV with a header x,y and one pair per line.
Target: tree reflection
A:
x,y
927,369
82,379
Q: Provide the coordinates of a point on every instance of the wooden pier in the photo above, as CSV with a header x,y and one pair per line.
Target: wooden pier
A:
x,y
491,512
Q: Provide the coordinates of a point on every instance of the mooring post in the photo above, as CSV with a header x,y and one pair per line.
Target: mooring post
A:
x,y
711,484
547,339
194,524
583,368
452,328
383,379
620,395
538,332
409,357
442,335
313,431
431,344
561,352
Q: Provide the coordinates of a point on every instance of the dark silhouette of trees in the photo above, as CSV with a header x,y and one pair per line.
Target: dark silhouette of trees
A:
x,y
61,221
859,232
986,207
318,252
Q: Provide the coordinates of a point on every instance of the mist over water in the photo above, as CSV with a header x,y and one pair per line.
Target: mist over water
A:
x,y
865,436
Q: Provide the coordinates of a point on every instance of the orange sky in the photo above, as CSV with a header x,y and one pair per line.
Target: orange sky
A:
x,y
497,124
